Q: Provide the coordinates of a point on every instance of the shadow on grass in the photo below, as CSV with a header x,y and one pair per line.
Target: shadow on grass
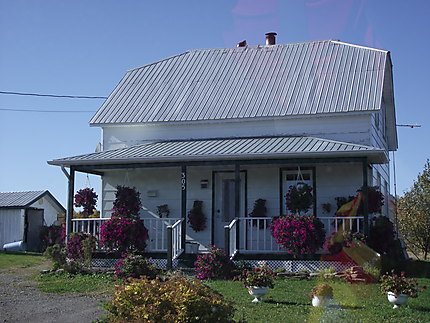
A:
x,y
272,301
420,308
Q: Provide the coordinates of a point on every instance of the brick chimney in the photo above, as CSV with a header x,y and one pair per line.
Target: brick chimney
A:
x,y
270,39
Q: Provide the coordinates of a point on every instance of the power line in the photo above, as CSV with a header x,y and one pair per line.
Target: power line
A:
x,y
54,95
47,111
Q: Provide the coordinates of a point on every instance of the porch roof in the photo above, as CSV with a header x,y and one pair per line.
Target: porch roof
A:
x,y
221,149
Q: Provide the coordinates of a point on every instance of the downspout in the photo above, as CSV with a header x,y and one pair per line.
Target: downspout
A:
x,y
365,197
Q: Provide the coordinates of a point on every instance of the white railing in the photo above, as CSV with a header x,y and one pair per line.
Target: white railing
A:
x,y
157,230
253,235
335,223
230,232
88,225
177,247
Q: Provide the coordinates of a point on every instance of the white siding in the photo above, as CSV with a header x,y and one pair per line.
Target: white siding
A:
x,y
263,183
334,180
11,225
50,211
351,128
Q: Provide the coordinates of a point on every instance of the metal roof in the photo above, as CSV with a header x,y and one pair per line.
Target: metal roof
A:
x,y
19,199
224,149
25,199
308,78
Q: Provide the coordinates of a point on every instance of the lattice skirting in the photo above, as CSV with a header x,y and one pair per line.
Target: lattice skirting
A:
x,y
298,265
288,265
109,262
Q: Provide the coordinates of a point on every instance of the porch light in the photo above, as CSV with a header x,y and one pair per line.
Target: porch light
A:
x,y
204,183
152,193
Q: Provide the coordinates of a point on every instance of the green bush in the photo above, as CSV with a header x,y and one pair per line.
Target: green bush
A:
x,y
57,255
134,266
174,300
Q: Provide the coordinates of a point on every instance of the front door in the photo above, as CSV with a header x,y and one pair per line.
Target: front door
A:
x,y
224,203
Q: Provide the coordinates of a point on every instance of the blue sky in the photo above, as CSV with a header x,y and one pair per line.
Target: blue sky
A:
x,y
84,48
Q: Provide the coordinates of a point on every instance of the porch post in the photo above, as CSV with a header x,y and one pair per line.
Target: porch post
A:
x,y
169,264
69,214
365,200
183,203
237,201
236,190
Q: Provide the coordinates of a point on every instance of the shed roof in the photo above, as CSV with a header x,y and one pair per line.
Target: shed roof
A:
x,y
25,199
307,78
226,149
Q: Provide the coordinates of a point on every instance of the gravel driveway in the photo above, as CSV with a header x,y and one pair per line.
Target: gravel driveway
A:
x,y
22,301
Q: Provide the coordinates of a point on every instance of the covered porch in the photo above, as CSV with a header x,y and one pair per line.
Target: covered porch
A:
x,y
228,175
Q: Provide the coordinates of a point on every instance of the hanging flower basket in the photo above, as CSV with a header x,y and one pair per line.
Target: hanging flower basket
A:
x,y
87,199
299,198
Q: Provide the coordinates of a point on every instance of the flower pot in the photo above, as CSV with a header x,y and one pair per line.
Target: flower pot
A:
x,y
320,300
397,300
191,247
257,292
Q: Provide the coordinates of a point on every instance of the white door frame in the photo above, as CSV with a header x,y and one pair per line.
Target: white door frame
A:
x,y
218,204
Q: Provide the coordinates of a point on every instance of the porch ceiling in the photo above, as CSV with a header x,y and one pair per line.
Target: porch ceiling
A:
x,y
224,149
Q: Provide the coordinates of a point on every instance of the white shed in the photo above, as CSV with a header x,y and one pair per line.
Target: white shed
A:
x,y
22,215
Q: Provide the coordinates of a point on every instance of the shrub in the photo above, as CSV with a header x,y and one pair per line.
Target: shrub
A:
x,y
339,239
53,234
174,300
381,235
214,265
298,234
86,198
58,256
79,250
123,234
75,246
134,266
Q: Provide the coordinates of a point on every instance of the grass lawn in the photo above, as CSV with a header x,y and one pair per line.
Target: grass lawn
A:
x,y
24,260
288,302
94,284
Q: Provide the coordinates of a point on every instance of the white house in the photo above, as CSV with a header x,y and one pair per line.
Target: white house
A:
x,y
229,126
22,215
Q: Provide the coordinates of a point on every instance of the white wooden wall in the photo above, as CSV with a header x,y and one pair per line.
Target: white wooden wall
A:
x,y
11,225
50,210
350,128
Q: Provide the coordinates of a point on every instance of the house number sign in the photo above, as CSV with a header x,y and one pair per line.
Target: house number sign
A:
x,y
183,181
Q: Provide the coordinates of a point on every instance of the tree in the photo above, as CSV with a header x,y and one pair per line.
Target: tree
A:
x,y
414,214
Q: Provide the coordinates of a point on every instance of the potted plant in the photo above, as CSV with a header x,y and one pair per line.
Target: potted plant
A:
x,y
258,281
196,217
259,211
321,295
163,211
398,288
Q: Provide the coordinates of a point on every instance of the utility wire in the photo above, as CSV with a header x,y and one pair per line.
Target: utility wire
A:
x,y
47,111
54,95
